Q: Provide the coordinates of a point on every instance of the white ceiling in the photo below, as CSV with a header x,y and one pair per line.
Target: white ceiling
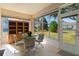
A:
x,y
28,8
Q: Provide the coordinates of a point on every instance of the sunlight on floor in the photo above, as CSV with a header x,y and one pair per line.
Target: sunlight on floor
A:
x,y
43,42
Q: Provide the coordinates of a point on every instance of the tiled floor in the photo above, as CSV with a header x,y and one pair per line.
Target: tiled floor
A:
x,y
50,49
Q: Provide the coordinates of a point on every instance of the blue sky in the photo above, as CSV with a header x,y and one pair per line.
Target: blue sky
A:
x,y
64,19
68,20
51,19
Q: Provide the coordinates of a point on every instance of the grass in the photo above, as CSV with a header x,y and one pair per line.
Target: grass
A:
x,y
52,35
68,36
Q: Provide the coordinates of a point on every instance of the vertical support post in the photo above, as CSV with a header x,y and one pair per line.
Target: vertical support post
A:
x,y
49,25
42,24
32,24
76,33
16,27
23,26
59,28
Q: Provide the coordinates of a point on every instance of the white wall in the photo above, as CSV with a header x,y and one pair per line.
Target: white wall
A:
x,y
0,27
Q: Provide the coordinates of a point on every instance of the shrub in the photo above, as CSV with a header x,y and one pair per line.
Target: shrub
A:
x,y
53,26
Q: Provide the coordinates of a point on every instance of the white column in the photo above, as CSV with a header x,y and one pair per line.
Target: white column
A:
x,y
42,25
32,24
0,28
49,25
59,28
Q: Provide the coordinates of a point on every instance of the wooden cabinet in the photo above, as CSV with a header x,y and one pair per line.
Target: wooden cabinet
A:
x,y
12,27
15,27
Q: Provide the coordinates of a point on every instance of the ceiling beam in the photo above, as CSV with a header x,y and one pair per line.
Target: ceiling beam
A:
x,y
48,9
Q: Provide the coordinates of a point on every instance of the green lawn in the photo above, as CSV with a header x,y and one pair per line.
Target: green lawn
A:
x,y
52,35
68,36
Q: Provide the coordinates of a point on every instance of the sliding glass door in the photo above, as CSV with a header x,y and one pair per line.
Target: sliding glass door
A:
x,y
69,29
48,25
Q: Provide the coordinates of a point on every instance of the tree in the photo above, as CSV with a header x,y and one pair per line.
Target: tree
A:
x,y
37,25
45,24
53,26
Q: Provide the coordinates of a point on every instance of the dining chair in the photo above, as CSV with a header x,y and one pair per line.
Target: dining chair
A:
x,y
40,39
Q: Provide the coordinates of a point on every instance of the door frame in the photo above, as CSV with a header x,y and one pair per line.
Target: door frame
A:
x,y
69,48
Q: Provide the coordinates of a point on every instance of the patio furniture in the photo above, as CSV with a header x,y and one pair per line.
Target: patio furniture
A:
x,y
29,41
40,39
29,44
35,36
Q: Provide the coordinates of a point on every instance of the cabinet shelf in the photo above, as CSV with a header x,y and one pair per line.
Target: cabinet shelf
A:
x,y
12,29
19,29
19,26
25,29
12,26
25,26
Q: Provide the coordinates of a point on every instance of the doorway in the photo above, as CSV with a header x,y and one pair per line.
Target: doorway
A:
x,y
69,41
69,30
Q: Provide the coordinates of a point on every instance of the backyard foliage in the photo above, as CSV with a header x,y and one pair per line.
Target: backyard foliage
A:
x,y
45,24
38,24
53,26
